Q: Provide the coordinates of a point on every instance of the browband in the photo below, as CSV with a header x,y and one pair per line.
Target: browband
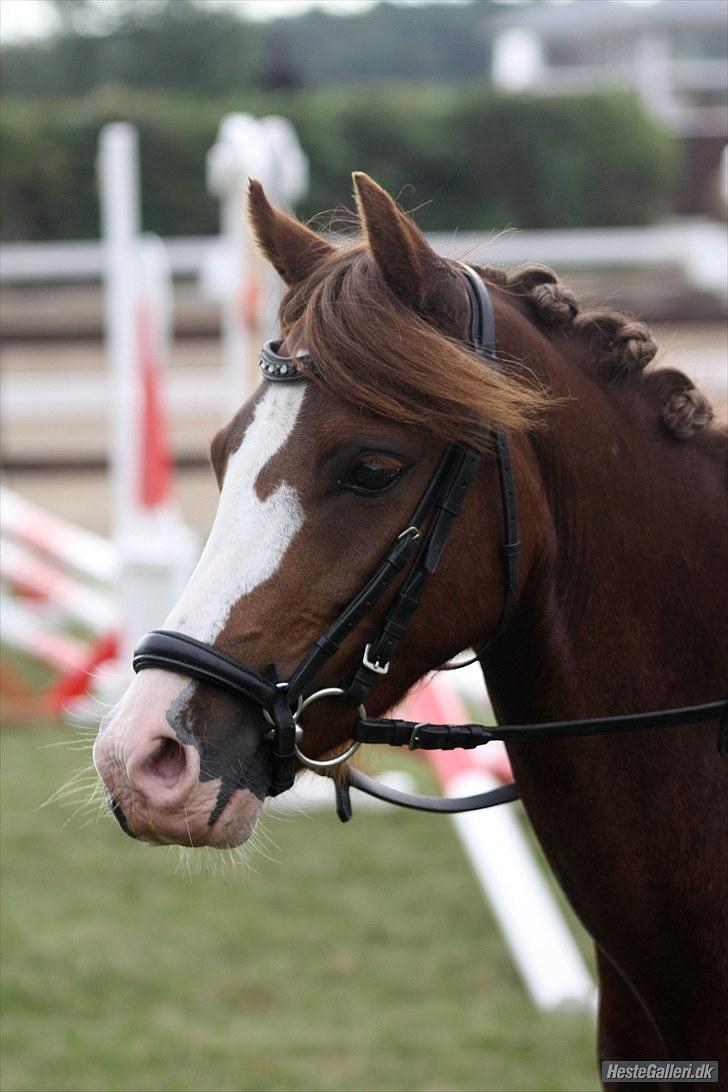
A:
x,y
282,369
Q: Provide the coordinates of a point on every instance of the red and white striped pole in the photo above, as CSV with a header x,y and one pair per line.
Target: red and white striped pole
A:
x,y
58,574
157,551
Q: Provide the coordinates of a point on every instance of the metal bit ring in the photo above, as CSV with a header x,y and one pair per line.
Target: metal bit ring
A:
x,y
325,763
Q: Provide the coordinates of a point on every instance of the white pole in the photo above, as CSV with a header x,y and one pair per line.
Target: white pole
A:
x,y
236,340
156,550
118,174
246,287
286,184
539,942
532,926
241,152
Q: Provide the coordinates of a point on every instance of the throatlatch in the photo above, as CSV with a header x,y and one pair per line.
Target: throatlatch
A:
x,y
420,546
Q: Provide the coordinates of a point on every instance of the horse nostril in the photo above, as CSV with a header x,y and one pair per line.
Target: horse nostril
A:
x,y
167,761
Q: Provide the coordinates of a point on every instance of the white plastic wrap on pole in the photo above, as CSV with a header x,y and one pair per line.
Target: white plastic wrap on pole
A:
x,y
34,577
241,152
118,173
529,918
287,182
75,548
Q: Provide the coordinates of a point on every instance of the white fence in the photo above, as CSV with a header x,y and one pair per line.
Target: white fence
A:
x,y
697,250
153,550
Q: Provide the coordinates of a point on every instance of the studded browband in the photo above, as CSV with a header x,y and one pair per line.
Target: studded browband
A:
x,y
420,546
284,369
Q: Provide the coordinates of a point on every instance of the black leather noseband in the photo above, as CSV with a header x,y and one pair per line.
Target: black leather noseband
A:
x,y
418,550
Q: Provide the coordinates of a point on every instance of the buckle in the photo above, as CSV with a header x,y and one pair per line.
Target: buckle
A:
x,y
413,740
374,665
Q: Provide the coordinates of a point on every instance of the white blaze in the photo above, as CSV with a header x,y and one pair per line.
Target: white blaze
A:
x,y
249,536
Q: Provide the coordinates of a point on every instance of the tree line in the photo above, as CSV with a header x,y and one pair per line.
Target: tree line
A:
x,y
399,92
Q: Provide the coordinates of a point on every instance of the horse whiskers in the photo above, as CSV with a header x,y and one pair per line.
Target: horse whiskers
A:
x,y
91,808
99,817
83,720
73,784
187,825
72,796
260,842
184,861
105,673
91,805
232,861
293,813
220,863
95,700
71,799
70,744
98,803
78,719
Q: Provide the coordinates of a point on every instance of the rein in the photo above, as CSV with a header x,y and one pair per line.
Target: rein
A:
x,y
420,545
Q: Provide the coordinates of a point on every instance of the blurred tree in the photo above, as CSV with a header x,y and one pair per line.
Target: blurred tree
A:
x,y
191,45
280,71
471,160
172,44
433,42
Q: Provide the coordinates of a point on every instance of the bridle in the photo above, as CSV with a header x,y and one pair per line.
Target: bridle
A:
x,y
420,546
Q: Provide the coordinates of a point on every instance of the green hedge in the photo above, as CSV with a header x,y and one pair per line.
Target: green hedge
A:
x,y
467,159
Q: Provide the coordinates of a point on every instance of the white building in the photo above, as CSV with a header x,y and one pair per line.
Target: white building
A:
x,y
672,53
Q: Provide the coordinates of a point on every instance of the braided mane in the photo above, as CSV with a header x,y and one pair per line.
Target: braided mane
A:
x,y
623,347
423,378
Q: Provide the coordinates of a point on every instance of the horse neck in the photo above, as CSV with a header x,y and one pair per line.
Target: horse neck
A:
x,y
620,611
619,608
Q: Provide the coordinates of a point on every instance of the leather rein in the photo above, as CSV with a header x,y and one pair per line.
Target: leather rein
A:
x,y
420,546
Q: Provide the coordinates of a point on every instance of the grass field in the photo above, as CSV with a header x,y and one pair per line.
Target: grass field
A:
x,y
345,958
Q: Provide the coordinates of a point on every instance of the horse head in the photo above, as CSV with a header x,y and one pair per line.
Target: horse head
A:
x,y
317,478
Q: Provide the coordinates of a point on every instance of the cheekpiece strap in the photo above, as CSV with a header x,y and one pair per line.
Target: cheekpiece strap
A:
x,y
284,745
481,330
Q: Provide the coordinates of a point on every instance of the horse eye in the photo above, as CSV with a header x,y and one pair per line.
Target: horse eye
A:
x,y
371,474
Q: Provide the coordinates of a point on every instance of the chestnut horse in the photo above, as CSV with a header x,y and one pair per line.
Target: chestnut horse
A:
x,y
623,524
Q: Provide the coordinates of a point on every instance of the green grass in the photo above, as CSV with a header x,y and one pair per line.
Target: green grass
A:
x,y
359,957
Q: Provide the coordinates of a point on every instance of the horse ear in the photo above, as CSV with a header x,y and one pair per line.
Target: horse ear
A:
x,y
405,258
291,248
